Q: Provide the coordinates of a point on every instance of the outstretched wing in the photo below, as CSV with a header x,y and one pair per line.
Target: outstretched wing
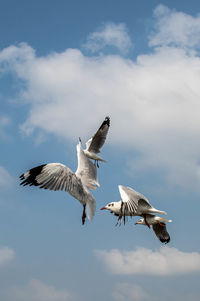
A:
x,y
55,176
133,201
161,232
97,141
86,170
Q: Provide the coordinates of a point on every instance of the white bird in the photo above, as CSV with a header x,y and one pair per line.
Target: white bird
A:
x,y
158,225
133,203
56,176
94,144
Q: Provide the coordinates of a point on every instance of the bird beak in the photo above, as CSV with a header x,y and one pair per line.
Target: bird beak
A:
x,y
136,223
103,208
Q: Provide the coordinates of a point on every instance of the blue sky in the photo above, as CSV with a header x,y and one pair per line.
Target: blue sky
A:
x,y
64,66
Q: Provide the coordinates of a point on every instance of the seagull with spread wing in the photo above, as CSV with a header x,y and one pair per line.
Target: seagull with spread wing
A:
x,y
56,176
94,144
159,226
133,203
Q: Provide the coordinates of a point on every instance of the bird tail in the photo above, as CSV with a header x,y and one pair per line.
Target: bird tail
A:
x,y
90,208
102,160
165,220
153,210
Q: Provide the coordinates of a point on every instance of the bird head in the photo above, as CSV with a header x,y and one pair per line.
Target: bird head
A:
x,y
113,207
140,221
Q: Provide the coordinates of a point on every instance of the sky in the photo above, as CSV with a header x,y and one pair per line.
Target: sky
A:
x,y
64,67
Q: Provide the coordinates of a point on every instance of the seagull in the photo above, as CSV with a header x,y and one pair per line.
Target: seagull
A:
x,y
57,176
158,225
95,143
133,203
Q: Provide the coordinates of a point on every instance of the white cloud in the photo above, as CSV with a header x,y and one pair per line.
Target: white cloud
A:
x,y
176,28
5,178
153,102
166,261
129,292
134,292
6,255
37,291
109,34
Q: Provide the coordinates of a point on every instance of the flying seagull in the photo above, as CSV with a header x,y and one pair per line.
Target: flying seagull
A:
x,y
159,226
56,176
133,203
95,143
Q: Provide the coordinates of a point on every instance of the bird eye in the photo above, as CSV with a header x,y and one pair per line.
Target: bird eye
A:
x,y
108,205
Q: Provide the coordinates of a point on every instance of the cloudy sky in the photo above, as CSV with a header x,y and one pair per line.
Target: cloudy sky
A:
x,y
64,66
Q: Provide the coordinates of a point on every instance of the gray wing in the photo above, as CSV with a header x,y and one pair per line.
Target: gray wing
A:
x,y
97,141
86,170
161,232
133,200
55,176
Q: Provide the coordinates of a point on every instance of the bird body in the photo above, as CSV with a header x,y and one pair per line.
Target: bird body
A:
x,y
57,176
86,170
153,219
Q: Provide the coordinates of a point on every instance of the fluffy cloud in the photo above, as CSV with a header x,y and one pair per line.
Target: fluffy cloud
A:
x,y
5,178
153,101
175,28
109,34
37,291
166,261
129,292
134,292
6,255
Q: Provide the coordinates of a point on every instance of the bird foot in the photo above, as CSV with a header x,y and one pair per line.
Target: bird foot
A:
x,y
83,215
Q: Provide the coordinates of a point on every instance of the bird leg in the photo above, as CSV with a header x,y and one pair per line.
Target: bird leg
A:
x,y
124,219
144,215
119,221
83,215
96,163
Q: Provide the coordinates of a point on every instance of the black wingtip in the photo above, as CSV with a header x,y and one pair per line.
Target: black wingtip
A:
x,y
107,120
30,179
165,241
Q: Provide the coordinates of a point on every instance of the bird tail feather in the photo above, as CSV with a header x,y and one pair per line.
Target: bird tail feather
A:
x,y
153,210
90,208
